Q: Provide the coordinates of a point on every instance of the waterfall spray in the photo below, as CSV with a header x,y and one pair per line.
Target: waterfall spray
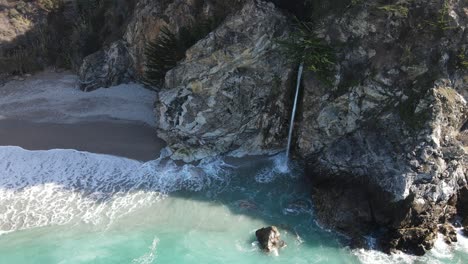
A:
x,y
293,114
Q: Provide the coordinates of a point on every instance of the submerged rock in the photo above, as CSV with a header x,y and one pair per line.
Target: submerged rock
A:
x,y
269,239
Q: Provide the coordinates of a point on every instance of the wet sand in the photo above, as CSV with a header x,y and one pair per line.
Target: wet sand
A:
x,y
125,139
47,111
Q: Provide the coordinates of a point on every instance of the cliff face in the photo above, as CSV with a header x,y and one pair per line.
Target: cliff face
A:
x,y
385,144
144,26
150,16
229,93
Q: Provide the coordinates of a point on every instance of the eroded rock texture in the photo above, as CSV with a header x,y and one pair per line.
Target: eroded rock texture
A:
x,y
269,239
383,144
106,68
146,22
229,93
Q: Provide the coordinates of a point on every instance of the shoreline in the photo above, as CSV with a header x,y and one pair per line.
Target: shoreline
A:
x,y
46,111
127,139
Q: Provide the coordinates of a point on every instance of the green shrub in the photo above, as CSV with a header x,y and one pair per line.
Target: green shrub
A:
x,y
396,10
169,48
443,19
50,5
161,56
303,45
462,59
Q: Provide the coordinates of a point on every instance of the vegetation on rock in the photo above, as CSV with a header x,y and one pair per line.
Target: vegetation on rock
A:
x,y
168,48
397,10
462,59
305,46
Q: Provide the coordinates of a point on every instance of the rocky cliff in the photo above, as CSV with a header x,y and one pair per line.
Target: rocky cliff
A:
x,y
229,94
147,20
384,143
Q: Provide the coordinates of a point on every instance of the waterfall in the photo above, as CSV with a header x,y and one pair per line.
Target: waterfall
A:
x,y
293,114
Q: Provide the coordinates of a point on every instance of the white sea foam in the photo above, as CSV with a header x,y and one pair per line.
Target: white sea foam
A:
x,y
442,250
378,257
150,256
280,167
39,188
462,244
440,253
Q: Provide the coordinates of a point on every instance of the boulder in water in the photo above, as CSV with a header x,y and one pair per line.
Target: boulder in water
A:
x,y
269,239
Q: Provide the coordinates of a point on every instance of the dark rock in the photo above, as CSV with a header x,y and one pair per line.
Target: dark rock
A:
x,y
106,68
152,15
449,232
382,143
414,240
269,239
462,208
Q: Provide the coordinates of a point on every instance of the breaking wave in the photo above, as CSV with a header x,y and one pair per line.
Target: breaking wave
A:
x,y
40,188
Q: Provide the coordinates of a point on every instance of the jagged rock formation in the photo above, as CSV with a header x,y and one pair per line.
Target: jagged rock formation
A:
x,y
106,68
148,18
385,145
382,145
229,94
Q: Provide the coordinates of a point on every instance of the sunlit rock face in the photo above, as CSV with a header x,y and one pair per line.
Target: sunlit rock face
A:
x,y
229,94
384,143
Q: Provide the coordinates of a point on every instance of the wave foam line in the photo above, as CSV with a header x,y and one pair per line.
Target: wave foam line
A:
x,y
39,188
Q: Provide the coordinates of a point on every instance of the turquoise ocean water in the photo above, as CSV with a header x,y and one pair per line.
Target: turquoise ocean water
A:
x,y
65,206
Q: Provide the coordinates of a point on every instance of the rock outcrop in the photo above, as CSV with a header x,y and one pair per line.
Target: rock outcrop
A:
x,y
383,143
269,239
230,92
106,68
150,16
145,24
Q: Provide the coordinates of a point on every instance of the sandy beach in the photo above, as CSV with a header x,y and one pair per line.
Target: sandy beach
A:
x,y
47,111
